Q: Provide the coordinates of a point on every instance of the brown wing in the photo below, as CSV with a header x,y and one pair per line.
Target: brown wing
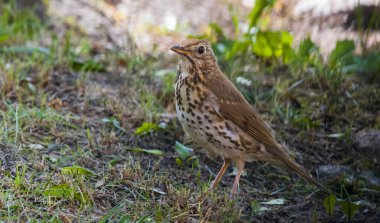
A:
x,y
235,108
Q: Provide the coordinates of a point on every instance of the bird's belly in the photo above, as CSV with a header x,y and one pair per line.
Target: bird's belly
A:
x,y
214,134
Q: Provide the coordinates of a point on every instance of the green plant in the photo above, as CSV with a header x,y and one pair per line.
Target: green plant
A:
x,y
329,204
147,127
264,44
148,151
70,192
349,207
114,122
73,189
19,181
18,25
343,60
76,171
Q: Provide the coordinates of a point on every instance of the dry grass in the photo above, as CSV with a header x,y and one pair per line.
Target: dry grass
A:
x,y
68,142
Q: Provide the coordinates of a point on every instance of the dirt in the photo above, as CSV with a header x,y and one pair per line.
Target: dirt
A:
x,y
111,94
299,207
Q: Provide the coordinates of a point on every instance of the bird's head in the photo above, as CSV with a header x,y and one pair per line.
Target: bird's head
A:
x,y
195,53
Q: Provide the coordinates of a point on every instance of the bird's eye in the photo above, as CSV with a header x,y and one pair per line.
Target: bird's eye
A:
x,y
201,49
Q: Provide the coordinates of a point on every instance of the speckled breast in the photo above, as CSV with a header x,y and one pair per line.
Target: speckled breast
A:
x,y
200,121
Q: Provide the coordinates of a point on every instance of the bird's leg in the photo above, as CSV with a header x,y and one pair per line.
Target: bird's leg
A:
x,y
240,166
218,177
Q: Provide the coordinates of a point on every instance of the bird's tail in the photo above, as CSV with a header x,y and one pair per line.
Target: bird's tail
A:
x,y
287,162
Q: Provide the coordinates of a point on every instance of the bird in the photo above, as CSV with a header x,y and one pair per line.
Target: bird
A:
x,y
218,118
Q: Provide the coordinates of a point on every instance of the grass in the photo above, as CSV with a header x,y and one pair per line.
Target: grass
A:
x,y
70,152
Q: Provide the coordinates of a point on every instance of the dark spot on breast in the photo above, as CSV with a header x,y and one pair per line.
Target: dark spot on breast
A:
x,y
224,134
209,134
228,127
196,79
238,148
191,105
236,143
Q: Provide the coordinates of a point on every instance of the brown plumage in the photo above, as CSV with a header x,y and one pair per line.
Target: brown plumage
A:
x,y
216,116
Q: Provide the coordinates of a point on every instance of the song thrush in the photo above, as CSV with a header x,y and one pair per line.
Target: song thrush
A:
x,y
217,117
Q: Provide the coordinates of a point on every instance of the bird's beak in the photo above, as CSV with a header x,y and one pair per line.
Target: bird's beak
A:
x,y
180,50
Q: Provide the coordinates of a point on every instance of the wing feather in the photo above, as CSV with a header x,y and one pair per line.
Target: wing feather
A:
x,y
233,106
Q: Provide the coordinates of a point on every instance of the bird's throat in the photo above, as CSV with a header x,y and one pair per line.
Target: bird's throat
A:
x,y
186,64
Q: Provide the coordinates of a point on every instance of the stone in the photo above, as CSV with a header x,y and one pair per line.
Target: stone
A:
x,y
368,142
370,177
331,171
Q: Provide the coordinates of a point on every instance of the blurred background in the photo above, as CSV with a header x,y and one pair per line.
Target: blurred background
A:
x,y
88,129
